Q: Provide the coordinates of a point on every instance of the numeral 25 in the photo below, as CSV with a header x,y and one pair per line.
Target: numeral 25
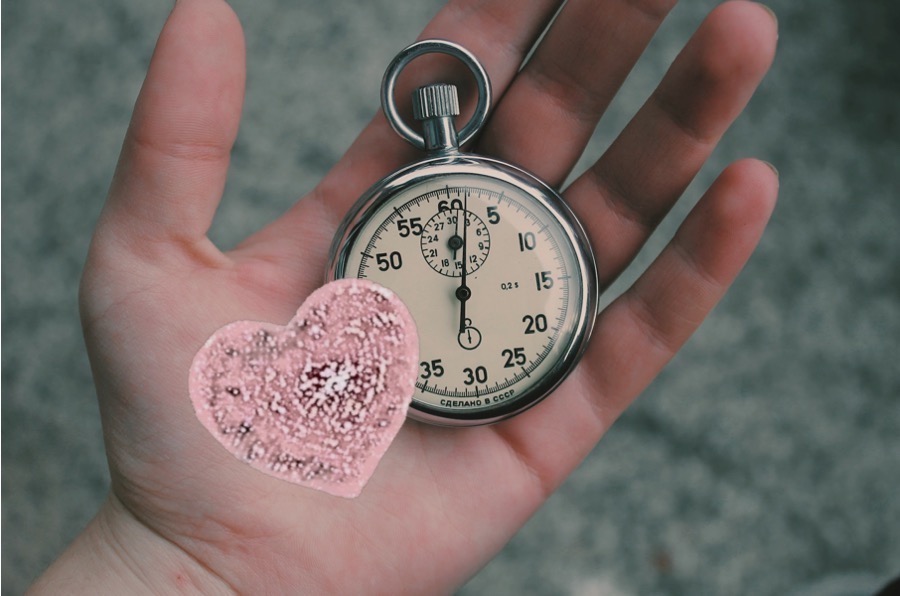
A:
x,y
514,356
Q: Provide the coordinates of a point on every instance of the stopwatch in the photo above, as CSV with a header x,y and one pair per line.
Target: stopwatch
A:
x,y
494,267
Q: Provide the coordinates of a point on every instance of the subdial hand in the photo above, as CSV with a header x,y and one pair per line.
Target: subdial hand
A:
x,y
455,242
470,337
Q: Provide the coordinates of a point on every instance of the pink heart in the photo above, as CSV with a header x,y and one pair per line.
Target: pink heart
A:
x,y
318,401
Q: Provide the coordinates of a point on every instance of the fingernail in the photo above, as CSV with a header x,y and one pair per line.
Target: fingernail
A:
x,y
773,168
771,12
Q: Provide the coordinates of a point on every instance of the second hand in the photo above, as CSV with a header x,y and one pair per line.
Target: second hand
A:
x,y
463,293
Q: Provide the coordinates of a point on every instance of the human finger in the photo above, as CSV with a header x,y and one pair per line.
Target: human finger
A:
x,y
625,194
547,115
640,331
175,156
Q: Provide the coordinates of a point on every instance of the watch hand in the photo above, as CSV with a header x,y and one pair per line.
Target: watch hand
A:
x,y
455,240
462,311
463,293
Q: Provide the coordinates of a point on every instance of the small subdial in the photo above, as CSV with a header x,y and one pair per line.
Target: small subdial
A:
x,y
454,235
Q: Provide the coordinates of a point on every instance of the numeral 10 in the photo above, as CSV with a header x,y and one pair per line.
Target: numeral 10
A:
x,y
527,241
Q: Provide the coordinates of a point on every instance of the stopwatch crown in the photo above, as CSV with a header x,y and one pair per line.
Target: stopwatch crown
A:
x,y
435,101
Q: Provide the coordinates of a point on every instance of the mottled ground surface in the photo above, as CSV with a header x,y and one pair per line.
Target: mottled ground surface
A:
x,y
765,457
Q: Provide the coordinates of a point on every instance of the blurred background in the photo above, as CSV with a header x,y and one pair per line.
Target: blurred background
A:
x,y
763,460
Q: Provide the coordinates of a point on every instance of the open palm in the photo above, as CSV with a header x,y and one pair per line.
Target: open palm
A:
x,y
442,501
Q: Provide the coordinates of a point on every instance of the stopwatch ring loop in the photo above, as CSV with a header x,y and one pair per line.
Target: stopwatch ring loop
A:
x,y
433,46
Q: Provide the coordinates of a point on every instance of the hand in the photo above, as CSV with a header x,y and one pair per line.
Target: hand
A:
x,y
463,293
182,512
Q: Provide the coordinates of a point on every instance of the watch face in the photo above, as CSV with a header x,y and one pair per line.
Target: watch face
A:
x,y
494,270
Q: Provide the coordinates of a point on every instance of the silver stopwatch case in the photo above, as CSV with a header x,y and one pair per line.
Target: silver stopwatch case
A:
x,y
502,363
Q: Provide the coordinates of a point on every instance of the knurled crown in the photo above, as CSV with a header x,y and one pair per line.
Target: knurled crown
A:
x,y
435,101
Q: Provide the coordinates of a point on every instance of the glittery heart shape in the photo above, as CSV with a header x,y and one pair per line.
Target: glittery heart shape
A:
x,y
318,401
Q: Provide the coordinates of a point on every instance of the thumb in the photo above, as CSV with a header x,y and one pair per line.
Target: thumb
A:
x,y
174,160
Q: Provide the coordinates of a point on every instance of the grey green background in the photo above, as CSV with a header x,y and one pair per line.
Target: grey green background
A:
x,y
763,459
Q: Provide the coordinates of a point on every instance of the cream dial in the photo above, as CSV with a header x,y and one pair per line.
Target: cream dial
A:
x,y
492,279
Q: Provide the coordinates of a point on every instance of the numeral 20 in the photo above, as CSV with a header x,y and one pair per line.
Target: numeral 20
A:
x,y
535,324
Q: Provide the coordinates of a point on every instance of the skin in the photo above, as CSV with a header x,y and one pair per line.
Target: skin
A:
x,y
183,515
